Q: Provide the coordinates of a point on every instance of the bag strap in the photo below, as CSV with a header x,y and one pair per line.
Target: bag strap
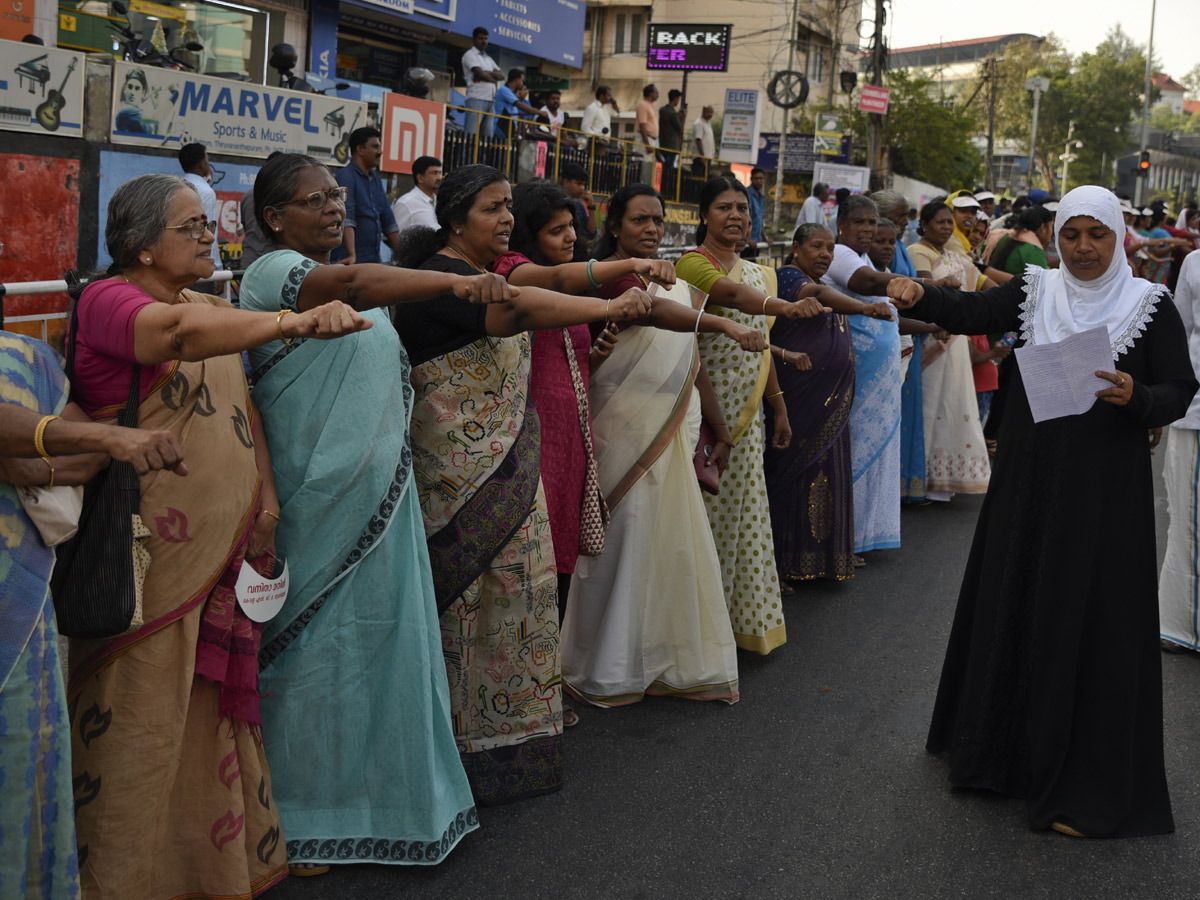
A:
x,y
129,415
581,397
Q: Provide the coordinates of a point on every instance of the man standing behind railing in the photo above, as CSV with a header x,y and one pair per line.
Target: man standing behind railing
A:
x,y
508,104
555,115
670,139
481,74
597,120
647,120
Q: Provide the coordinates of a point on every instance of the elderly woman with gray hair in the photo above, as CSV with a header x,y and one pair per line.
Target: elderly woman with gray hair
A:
x,y
875,417
172,791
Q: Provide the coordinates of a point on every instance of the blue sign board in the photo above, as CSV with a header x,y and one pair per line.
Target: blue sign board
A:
x,y
800,156
323,43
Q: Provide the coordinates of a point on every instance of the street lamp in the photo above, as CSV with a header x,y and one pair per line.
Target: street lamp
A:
x,y
1039,86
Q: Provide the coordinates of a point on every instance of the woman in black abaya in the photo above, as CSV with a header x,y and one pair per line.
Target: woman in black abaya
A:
x,y
1052,686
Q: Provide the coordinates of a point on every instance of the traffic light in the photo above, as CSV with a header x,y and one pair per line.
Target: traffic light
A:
x,y
1143,163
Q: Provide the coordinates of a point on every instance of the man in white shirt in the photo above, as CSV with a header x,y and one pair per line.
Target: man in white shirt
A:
x,y
481,74
417,206
703,139
812,212
193,159
597,118
554,114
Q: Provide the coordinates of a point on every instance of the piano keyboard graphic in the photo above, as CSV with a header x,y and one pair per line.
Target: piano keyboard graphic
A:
x,y
15,116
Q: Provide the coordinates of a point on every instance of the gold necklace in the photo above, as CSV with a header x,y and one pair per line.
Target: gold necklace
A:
x,y
724,268
470,262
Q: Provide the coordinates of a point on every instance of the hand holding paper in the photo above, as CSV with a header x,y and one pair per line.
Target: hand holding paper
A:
x,y
1064,378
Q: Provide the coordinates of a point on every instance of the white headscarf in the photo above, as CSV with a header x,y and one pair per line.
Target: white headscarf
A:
x,y
1058,304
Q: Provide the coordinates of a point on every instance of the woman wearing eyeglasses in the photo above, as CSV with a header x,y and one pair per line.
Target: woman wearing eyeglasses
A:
x,y
172,791
356,706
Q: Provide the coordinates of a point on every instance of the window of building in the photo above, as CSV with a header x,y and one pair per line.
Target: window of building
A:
x,y
629,33
816,63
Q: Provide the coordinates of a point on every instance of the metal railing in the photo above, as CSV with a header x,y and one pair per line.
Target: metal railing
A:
x,y
524,149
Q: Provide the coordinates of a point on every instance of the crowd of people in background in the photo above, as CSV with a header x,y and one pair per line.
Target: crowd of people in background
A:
x,y
468,458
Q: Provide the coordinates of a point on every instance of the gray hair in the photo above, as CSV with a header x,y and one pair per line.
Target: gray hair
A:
x,y
137,216
805,232
853,203
886,201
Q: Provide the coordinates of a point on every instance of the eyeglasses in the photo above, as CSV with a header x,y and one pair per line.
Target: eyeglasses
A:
x,y
318,199
195,230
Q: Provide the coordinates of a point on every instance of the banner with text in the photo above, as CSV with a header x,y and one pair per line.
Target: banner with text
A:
x,y
155,107
800,156
828,139
740,125
42,90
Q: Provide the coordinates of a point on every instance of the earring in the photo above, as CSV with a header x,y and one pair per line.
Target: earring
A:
x,y
146,260
458,231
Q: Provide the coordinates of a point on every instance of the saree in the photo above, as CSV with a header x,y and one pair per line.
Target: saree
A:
x,y
648,615
37,824
809,484
355,703
739,515
875,428
956,457
173,794
484,509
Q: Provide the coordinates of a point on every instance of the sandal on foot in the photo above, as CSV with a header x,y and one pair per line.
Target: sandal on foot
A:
x,y
1067,830
570,717
306,870
859,562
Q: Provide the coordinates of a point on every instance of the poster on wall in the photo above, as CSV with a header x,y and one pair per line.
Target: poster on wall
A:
x,y
41,89
155,107
412,128
740,125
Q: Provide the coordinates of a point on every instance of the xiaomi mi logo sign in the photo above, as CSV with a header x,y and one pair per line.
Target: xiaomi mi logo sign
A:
x,y
411,128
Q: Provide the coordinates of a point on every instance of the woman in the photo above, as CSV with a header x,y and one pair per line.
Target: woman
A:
x,y
1025,244
37,817
875,415
956,457
476,457
1052,690
357,641
181,689
742,379
649,615
809,484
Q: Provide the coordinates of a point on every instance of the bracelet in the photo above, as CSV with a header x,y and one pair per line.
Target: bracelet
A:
x,y
766,300
46,460
274,516
38,434
287,342
591,277
776,394
607,307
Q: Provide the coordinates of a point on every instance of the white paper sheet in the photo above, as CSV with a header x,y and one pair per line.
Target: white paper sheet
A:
x,y
1060,379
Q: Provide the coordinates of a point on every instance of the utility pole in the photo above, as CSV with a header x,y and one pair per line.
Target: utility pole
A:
x,y
875,120
783,130
1140,185
991,177
1038,86
1068,157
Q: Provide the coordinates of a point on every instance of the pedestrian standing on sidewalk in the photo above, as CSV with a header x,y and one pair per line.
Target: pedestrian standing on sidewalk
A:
x,y
369,217
1051,691
482,74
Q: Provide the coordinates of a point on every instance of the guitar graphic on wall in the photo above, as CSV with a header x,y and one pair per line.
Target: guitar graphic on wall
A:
x,y
47,114
341,151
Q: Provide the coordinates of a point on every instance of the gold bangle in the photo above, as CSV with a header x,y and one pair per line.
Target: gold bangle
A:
x,y
274,516
776,394
39,433
766,300
287,342
607,307
46,460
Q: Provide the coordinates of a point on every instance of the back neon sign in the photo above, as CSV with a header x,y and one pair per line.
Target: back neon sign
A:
x,y
693,47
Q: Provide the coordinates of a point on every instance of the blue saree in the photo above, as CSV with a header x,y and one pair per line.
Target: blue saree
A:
x,y
356,708
37,814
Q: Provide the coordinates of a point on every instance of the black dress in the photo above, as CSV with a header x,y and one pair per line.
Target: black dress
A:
x,y
1051,690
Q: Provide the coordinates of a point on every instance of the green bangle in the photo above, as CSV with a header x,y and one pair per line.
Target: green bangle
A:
x,y
591,278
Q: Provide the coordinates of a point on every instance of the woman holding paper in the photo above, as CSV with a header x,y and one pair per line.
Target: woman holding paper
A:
x,y
1051,689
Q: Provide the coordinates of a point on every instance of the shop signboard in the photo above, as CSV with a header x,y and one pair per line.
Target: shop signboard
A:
x,y
874,99
41,90
155,107
411,128
855,179
322,45
800,156
691,47
17,18
740,125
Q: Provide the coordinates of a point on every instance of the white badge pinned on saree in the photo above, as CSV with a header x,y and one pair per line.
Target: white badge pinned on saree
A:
x,y
261,598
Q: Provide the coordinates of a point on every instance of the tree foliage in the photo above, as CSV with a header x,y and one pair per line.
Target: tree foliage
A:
x,y
927,139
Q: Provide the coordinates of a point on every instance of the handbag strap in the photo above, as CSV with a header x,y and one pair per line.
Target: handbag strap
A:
x,y
129,415
581,397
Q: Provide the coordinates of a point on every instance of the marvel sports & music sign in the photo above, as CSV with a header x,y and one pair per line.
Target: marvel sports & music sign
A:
x,y
693,47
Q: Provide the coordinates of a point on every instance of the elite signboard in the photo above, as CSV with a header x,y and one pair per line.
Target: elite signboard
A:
x,y
692,47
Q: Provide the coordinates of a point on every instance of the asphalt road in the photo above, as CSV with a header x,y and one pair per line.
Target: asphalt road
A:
x,y
815,785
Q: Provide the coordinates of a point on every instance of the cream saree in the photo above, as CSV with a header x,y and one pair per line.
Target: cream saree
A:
x,y
648,616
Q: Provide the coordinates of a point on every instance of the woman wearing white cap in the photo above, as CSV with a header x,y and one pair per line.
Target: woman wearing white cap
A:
x,y
1051,689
